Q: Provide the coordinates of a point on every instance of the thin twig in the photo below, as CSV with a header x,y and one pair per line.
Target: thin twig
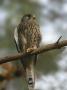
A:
x,y
58,40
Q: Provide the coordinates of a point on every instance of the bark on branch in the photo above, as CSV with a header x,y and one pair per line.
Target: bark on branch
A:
x,y
45,48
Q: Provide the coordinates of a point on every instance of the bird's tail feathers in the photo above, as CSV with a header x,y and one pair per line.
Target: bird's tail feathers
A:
x,y
30,77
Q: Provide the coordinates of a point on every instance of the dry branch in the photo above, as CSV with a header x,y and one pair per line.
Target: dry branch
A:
x,y
37,51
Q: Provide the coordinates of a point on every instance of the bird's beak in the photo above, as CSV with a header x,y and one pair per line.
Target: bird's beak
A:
x,y
34,17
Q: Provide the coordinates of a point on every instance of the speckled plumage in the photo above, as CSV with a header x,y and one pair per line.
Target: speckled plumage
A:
x,y
28,37
29,29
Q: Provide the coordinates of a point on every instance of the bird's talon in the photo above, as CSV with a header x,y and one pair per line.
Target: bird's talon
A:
x,y
31,49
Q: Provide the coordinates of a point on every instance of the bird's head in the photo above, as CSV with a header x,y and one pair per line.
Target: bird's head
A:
x,y
28,17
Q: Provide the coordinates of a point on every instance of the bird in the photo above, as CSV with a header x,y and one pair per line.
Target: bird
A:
x,y
27,37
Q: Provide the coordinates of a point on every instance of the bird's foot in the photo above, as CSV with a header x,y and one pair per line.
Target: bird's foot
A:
x,y
31,49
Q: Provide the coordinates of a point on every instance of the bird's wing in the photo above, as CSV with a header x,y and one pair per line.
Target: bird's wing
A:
x,y
16,39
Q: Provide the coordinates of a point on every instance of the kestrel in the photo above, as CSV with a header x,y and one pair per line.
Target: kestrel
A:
x,y
27,38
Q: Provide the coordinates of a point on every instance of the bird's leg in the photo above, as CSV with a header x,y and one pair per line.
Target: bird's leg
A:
x,y
31,49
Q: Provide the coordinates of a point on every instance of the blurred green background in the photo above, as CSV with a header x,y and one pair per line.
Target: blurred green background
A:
x,y
51,69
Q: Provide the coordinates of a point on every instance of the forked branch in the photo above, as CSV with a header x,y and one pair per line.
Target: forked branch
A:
x,y
45,48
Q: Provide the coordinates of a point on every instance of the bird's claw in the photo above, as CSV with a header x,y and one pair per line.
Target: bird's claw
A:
x,y
31,49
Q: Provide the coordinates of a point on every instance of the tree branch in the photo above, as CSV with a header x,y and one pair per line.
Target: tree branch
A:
x,y
45,48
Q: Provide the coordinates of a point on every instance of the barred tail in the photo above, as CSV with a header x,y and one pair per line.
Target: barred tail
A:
x,y
30,77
